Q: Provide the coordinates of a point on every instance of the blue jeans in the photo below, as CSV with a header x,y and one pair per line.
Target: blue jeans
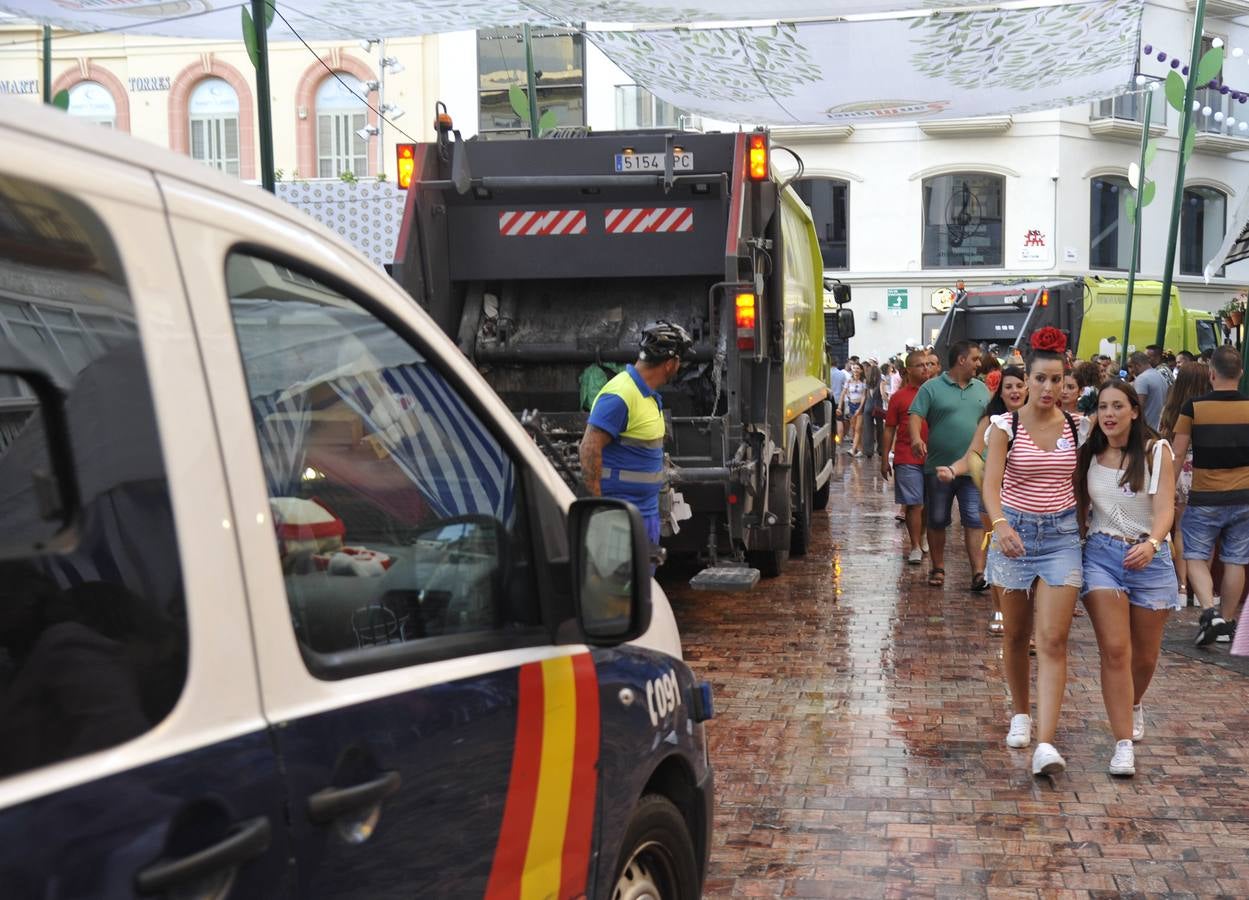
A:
x,y
1153,587
908,484
1051,552
940,499
1202,526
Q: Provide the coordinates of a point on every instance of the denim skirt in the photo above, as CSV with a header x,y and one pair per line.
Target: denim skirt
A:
x,y
1051,552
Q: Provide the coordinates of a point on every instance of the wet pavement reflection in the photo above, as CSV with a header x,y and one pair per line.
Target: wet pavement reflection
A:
x,y
859,740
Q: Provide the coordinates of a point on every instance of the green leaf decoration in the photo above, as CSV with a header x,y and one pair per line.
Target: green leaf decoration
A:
x,y
1210,66
61,100
1175,90
1148,192
547,121
249,38
1130,212
1188,142
520,102
1151,150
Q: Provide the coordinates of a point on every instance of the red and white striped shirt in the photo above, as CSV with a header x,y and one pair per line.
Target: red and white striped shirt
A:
x,y
1036,480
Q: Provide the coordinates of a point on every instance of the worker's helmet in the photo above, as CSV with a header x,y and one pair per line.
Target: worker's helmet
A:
x,y
663,341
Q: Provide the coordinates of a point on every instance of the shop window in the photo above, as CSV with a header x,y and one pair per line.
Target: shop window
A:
x,y
91,101
214,122
829,201
1203,221
963,217
1110,232
341,112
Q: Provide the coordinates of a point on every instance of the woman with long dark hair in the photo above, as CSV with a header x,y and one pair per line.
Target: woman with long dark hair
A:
x,y
1035,546
1009,395
1192,381
851,403
1125,501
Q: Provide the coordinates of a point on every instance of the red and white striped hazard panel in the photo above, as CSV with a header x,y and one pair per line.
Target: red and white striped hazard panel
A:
x,y
650,220
541,222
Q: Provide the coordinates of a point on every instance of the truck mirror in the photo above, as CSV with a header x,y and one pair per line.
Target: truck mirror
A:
x,y
845,323
840,292
611,570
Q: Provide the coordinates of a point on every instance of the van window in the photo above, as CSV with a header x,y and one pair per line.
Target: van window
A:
x,y
93,638
397,513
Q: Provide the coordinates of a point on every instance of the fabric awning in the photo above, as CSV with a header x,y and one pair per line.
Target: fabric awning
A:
x,y
869,60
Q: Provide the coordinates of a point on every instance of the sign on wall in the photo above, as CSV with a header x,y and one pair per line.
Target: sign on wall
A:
x,y
896,298
1035,246
21,86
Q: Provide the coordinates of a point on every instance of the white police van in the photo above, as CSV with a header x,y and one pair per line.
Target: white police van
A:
x,y
290,605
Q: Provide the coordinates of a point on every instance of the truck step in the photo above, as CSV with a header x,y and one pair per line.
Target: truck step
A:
x,y
725,578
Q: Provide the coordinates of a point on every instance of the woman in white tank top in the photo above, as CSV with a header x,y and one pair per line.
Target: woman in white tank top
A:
x,y
1125,503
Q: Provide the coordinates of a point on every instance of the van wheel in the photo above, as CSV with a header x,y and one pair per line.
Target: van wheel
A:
x,y
801,500
657,861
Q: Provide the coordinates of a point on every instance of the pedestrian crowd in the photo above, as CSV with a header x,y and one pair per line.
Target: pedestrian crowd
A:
x,y
1076,481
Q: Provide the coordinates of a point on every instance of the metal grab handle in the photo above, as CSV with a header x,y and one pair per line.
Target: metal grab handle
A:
x,y
251,839
328,804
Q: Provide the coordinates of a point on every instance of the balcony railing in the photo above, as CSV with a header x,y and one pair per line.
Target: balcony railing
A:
x,y
1130,107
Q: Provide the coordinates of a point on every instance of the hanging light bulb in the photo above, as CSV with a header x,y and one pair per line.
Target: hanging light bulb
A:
x,y
1196,105
1231,121
1242,126
1216,43
1140,80
1218,116
1205,110
1153,85
1237,52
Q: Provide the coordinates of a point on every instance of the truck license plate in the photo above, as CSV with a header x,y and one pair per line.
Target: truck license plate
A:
x,y
653,162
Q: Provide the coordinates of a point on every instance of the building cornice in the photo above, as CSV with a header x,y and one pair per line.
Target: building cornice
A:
x,y
1219,143
1123,129
965,127
812,133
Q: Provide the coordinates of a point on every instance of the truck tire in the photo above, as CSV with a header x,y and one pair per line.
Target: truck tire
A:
x,y
802,499
819,499
657,857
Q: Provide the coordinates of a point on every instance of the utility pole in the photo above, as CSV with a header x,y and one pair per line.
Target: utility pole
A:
x,y
1177,201
264,111
47,64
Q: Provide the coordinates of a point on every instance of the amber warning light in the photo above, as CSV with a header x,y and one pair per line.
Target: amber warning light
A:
x,y
745,315
758,157
405,162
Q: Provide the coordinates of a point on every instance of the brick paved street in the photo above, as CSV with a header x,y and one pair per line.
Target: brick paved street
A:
x,y
859,742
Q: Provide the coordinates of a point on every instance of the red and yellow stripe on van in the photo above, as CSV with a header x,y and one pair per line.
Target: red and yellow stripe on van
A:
x,y
548,819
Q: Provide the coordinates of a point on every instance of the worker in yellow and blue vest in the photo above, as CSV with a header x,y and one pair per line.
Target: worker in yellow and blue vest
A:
x,y
622,451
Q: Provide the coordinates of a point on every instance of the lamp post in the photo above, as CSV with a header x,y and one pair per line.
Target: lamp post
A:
x,y
47,64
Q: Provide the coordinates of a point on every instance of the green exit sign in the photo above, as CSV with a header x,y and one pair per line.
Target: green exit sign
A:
x,y
896,298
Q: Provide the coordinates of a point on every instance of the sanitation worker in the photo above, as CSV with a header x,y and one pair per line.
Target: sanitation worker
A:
x,y
622,451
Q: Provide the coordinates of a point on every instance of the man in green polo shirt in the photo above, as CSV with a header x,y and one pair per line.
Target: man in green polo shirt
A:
x,y
952,404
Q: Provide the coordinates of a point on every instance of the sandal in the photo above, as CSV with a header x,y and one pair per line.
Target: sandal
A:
x,y
978,584
936,577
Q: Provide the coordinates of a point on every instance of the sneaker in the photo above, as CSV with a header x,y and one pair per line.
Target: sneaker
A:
x,y
1138,722
1122,763
996,624
1208,628
1020,734
923,543
915,557
1227,632
1047,761
858,454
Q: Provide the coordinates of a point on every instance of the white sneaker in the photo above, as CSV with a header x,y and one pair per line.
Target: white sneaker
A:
x,y
915,557
1047,761
1138,722
923,543
1123,762
1020,734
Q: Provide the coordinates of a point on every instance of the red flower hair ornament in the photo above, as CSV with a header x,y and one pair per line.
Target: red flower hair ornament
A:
x,y
1049,339
992,380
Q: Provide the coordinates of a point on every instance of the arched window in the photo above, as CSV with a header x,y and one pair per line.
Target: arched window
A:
x,y
340,114
1203,220
91,101
214,122
829,200
963,217
1110,234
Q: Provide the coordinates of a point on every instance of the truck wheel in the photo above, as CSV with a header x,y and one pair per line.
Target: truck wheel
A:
x,y
819,500
801,499
657,859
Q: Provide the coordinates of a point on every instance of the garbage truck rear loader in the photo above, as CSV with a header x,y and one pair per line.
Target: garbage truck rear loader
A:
x,y
545,258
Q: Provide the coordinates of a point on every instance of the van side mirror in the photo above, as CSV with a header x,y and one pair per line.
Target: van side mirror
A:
x,y
840,292
845,323
38,483
611,570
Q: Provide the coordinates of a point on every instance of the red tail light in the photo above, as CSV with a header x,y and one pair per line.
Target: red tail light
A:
x,y
744,314
1045,298
405,163
758,157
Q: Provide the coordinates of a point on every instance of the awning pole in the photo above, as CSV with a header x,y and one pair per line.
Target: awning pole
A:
x,y
264,111
1177,201
1136,230
47,64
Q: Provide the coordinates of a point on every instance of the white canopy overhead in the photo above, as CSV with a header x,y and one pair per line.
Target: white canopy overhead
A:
x,y
809,62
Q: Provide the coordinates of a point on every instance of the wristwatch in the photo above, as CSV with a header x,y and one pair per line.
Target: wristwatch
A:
x,y
1155,543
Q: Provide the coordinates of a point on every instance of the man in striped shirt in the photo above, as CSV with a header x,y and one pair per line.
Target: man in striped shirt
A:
x,y
1216,425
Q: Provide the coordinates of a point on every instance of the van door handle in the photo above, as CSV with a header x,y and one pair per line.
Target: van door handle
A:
x,y
249,840
328,804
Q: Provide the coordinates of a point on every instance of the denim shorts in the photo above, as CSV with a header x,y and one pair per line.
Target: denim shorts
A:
x,y
1202,526
1153,587
1051,552
908,484
940,499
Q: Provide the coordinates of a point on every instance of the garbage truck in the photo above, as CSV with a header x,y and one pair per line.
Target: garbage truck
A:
x,y
1089,309
544,259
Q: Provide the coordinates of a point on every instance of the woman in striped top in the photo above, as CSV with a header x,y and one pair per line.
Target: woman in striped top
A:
x,y
1124,484
1031,504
